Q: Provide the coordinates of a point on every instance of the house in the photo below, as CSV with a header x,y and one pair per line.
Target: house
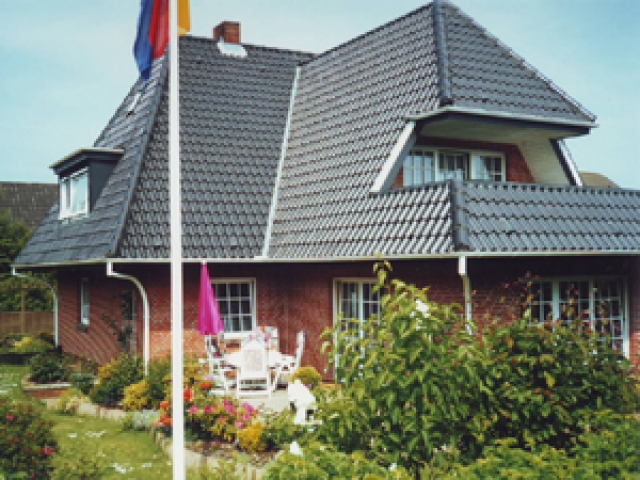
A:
x,y
27,202
426,141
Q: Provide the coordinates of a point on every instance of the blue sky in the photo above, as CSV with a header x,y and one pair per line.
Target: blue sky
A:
x,y
66,65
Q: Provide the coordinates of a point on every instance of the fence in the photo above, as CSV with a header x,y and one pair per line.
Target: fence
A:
x,y
26,322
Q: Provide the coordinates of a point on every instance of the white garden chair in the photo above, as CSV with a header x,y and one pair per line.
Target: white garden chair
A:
x,y
254,376
290,363
221,374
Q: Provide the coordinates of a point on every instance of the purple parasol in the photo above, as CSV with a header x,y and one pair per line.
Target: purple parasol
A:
x,y
209,320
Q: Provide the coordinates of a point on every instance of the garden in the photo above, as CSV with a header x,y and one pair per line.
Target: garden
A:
x,y
418,395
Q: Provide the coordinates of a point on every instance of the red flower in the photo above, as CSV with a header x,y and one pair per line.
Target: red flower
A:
x,y
205,385
164,405
10,417
188,395
48,450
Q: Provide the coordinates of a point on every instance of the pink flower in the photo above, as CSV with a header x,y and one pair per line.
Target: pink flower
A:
x,y
221,420
247,407
193,410
246,416
208,409
10,417
48,450
239,424
230,409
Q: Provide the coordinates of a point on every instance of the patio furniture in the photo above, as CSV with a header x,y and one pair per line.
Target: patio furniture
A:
x,y
253,374
290,363
222,374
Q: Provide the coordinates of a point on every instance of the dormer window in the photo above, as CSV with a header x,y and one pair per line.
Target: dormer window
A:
x,y
425,165
82,176
74,194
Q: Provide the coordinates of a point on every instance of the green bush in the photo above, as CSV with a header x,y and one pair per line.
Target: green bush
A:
x,y
320,462
308,376
70,400
279,430
542,381
29,344
407,389
50,367
114,377
158,380
81,461
83,382
26,441
136,396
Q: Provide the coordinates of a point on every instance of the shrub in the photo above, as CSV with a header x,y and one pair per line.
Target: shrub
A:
x,y
235,469
26,441
80,462
83,382
407,386
69,401
158,380
308,376
143,420
219,419
30,344
319,462
541,382
279,430
136,396
114,377
251,439
50,367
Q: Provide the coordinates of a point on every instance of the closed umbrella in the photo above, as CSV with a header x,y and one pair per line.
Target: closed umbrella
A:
x,y
209,320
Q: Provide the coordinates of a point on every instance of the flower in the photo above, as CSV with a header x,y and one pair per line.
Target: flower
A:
x,y
188,395
239,424
193,410
10,417
48,450
208,409
164,405
205,385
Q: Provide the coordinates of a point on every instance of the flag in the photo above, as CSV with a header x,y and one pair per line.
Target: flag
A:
x,y
153,31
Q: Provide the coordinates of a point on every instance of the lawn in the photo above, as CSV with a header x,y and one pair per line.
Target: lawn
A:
x,y
129,454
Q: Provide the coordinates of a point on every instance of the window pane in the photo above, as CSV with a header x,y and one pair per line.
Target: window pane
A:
x,y
453,166
79,193
235,301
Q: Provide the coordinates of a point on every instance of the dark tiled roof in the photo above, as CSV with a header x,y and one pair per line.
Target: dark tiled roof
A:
x,y
96,235
233,115
27,202
513,217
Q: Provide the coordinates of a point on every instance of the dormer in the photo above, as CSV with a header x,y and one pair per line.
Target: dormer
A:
x,y
81,177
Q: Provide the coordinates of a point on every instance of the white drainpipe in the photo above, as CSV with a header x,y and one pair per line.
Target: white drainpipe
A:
x,y
55,300
466,284
145,309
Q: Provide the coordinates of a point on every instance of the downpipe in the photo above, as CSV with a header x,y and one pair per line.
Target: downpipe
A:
x,y
145,310
466,285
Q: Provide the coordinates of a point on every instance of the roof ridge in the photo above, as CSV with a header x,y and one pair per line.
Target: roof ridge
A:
x,y
442,54
203,39
370,32
523,62
114,247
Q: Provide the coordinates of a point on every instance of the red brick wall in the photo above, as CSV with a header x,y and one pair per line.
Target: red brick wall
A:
x,y
297,297
517,169
634,309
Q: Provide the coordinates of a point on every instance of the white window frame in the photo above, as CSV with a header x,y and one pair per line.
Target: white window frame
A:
x,y
359,281
556,295
68,195
472,169
253,295
85,302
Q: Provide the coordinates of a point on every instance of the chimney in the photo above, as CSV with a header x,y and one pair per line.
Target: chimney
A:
x,y
229,32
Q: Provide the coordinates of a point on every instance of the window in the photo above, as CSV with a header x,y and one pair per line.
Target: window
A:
x,y
84,301
74,194
236,301
425,165
356,299
597,302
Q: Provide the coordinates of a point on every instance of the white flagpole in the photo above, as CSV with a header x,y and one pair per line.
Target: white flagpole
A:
x,y
177,386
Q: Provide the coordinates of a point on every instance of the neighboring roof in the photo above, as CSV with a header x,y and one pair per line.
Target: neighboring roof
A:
x,y
350,106
27,202
591,179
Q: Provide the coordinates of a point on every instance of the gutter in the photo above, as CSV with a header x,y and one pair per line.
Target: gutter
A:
x,y
417,256
55,300
145,310
504,115
466,285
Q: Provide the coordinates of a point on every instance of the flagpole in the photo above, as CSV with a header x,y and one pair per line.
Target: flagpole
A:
x,y
177,386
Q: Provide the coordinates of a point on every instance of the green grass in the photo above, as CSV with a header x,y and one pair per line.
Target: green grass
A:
x,y
10,378
133,451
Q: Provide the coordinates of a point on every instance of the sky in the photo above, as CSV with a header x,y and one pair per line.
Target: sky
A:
x,y
66,65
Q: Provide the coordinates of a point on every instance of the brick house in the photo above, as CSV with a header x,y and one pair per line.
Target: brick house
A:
x,y
425,141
